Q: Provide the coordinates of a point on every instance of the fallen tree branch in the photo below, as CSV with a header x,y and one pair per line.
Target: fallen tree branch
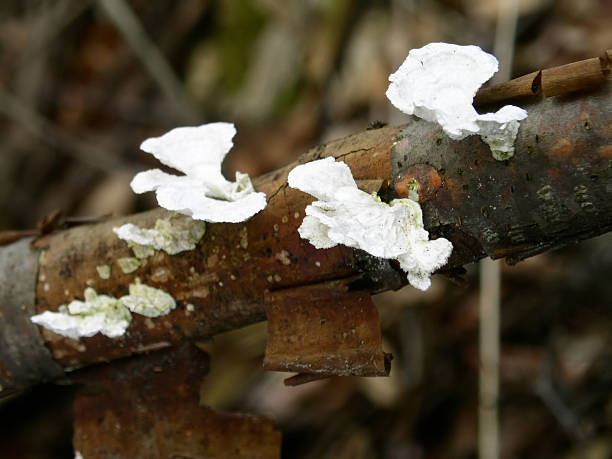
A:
x,y
553,192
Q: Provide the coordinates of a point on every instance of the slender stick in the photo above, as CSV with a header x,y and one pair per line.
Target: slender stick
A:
x,y
490,272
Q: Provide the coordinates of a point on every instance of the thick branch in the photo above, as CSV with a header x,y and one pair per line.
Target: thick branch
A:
x,y
554,191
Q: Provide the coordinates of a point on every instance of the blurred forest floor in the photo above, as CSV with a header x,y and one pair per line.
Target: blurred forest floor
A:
x,y
82,84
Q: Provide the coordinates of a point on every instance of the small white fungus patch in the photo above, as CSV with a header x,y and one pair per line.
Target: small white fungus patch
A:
x,y
97,314
148,301
202,193
105,314
173,235
438,83
346,215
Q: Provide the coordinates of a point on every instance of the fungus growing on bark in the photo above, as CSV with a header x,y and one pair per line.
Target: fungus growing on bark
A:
x,y
128,264
202,193
346,215
148,301
104,271
96,314
173,235
105,314
438,83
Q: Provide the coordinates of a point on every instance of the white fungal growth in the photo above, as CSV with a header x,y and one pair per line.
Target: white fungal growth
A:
x,y
346,215
438,83
148,301
105,314
173,235
202,193
97,314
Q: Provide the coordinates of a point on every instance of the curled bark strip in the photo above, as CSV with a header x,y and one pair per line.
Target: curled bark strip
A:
x,y
565,79
325,330
149,407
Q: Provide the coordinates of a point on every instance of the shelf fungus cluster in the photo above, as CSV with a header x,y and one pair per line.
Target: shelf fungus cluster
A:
x,y
343,214
202,193
438,83
105,314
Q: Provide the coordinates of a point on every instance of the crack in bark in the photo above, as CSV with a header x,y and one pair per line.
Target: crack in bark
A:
x,y
278,190
352,152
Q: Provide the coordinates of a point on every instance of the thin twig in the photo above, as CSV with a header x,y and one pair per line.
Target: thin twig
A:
x,y
39,127
490,272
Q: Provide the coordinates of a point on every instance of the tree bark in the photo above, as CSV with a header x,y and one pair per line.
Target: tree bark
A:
x,y
554,191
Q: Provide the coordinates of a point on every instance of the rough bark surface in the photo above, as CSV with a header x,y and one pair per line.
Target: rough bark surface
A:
x,y
554,191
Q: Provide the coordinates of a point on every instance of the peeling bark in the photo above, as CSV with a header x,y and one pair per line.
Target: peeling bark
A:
x,y
324,330
554,191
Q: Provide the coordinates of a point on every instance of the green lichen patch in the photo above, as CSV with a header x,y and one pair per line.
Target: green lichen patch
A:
x,y
141,251
104,271
128,264
148,301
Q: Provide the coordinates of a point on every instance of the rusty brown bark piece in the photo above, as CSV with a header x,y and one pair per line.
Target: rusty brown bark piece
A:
x,y
554,191
326,330
555,81
148,407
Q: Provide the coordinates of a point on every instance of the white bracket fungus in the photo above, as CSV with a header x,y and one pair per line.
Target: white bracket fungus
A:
x,y
202,193
346,215
105,314
172,235
438,83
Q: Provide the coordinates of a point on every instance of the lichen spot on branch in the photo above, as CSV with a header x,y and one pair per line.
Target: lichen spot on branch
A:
x,y
438,83
203,193
343,214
